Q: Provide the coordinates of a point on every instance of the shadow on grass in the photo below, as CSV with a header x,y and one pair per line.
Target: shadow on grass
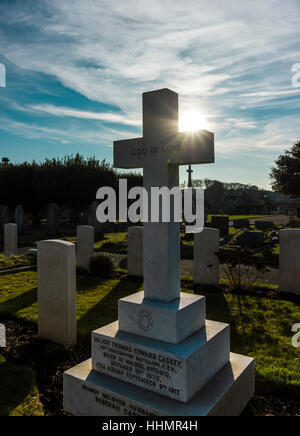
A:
x,y
10,307
106,310
16,384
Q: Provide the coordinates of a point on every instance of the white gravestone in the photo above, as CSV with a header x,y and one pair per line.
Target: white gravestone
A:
x,y
85,246
161,357
289,261
10,239
57,291
206,262
135,262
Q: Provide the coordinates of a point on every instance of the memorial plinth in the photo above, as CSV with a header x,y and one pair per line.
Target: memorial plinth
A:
x,y
161,357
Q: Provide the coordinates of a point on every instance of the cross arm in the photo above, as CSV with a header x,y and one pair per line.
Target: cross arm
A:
x,y
192,148
180,149
129,153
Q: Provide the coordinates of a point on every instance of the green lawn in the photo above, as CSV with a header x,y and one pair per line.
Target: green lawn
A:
x,y
19,395
260,328
14,261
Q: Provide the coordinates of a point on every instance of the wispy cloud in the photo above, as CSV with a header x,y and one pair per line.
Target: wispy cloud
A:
x,y
108,117
232,61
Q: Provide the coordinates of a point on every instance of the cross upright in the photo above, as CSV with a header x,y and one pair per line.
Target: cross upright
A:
x,y
160,152
190,172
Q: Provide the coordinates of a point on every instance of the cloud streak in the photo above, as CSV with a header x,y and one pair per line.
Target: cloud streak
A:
x,y
232,62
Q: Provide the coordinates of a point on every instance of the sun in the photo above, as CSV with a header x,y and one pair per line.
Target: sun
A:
x,y
191,121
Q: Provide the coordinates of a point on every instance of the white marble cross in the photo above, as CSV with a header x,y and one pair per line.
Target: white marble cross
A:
x,y
160,152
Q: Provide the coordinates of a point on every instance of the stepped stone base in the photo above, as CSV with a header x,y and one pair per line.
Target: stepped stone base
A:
x,y
174,370
89,393
168,322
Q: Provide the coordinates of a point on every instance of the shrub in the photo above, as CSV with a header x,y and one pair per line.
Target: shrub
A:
x,y
242,270
101,265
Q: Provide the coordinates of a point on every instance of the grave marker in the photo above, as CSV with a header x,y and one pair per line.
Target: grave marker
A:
x,y
20,218
161,342
52,219
57,291
206,262
135,251
289,261
85,246
10,239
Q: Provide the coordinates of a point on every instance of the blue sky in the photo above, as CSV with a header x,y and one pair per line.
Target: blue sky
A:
x,y
75,72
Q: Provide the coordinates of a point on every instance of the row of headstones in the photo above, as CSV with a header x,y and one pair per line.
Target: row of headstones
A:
x,y
85,243
6,216
57,273
206,262
223,224
51,213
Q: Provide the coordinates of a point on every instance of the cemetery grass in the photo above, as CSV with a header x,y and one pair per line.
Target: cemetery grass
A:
x,y
14,261
260,328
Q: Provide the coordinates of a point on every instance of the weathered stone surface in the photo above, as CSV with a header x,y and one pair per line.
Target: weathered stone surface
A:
x,y
89,393
135,257
289,261
149,318
206,262
85,246
221,223
10,239
57,291
251,239
175,371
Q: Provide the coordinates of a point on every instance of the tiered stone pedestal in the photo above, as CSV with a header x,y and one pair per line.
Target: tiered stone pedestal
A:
x,y
163,359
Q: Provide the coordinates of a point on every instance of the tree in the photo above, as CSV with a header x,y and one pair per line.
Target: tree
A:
x,y
285,175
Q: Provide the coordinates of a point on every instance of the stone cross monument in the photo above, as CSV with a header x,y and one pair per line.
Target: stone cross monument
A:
x,y
190,172
162,357
160,152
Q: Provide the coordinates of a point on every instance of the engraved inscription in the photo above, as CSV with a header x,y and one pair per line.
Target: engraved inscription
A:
x,y
146,368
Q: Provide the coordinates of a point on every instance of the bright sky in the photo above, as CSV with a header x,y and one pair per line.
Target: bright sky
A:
x,y
75,71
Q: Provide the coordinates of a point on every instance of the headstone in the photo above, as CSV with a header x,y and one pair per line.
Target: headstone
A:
x,y
57,291
241,224
264,225
92,219
135,251
161,357
289,261
20,218
4,218
10,239
206,262
221,223
52,224
85,246
251,239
